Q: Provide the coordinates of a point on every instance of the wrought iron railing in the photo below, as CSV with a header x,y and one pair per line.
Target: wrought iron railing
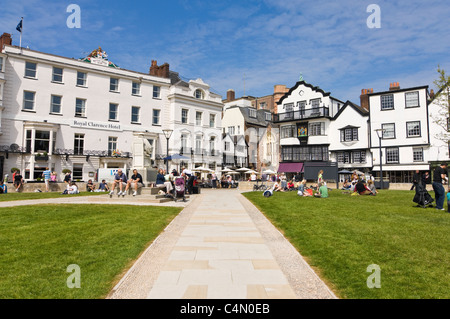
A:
x,y
302,114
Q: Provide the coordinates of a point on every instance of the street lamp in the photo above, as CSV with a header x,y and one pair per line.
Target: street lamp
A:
x,y
380,135
167,134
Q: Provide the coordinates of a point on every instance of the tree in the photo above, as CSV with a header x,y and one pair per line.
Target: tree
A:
x,y
441,114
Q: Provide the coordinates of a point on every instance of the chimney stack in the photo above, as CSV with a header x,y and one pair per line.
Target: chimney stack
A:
x,y
5,39
365,98
230,95
161,71
394,86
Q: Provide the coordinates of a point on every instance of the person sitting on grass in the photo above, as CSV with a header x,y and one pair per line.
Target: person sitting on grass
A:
x,y
73,188
277,188
90,187
362,189
103,186
372,187
290,185
347,185
323,191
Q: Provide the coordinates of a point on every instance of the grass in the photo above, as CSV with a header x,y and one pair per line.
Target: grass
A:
x,y
10,196
39,242
342,235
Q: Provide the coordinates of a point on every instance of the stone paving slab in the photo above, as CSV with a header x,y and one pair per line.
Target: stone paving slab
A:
x,y
221,246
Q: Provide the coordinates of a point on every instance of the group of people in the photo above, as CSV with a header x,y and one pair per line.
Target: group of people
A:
x,y
360,187
123,183
438,180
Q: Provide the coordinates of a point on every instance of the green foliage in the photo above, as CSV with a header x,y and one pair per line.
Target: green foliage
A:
x,y
342,235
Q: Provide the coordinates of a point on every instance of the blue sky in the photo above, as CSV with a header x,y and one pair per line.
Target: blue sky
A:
x,y
265,42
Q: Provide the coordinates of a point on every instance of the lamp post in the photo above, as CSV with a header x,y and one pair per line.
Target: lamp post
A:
x,y
380,135
167,134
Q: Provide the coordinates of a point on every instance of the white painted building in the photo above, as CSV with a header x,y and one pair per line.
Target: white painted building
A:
x,y
87,114
349,138
304,117
255,125
402,118
194,115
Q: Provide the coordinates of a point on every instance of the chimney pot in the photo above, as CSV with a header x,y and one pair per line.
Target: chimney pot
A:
x,y
5,39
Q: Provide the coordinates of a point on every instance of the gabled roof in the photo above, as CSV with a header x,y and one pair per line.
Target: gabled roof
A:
x,y
292,89
260,118
357,108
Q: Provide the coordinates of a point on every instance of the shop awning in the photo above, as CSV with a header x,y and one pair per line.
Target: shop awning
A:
x,y
290,168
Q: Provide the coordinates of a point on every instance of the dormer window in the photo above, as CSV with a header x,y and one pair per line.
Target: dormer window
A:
x,y
252,113
199,94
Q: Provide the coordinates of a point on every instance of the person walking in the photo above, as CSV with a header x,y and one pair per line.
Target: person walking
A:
x,y
416,180
214,180
439,176
47,175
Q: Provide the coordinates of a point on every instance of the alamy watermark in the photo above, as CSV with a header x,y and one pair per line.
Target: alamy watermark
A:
x,y
74,280
374,20
374,280
74,19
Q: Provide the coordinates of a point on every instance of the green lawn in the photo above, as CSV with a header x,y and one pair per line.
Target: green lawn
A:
x,y
10,196
39,242
342,235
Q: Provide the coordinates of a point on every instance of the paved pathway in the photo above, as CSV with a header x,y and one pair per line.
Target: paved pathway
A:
x,y
220,246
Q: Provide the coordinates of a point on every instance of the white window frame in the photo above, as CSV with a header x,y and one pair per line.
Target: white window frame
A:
x,y
156,116
156,92
315,127
416,130
28,101
413,102
78,143
27,69
113,84
136,88
387,102
386,128
82,112
416,151
83,78
52,104
392,155
198,120
134,114
184,116
113,112
112,143
55,76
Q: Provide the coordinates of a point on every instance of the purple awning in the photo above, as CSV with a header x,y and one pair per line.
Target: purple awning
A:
x,y
290,168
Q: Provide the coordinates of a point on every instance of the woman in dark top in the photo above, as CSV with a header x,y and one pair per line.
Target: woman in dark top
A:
x,y
160,179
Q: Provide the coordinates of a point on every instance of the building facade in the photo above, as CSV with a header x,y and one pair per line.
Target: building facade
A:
x,y
87,114
194,115
401,117
304,117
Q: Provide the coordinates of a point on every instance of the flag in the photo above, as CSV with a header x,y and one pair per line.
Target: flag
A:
x,y
19,26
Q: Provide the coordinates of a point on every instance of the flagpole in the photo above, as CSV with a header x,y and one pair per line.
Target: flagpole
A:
x,y
21,29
